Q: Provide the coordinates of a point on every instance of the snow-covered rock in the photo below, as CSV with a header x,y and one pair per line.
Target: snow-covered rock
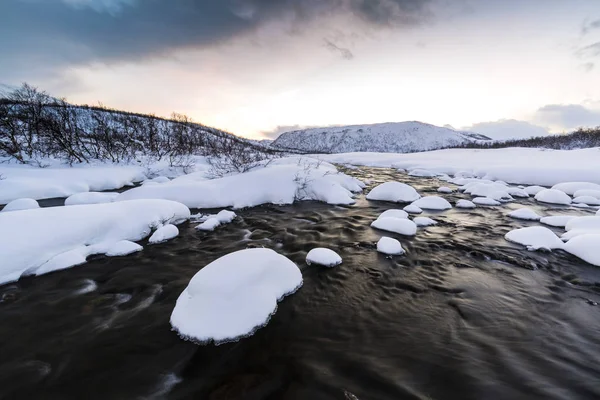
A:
x,y
535,238
412,209
393,213
432,203
590,222
492,190
587,192
559,221
21,204
65,236
398,225
533,190
445,189
465,204
517,192
164,233
571,187
225,216
389,246
210,222
424,221
90,198
589,200
234,295
485,201
209,225
324,257
421,173
553,196
586,247
526,214
394,191
123,248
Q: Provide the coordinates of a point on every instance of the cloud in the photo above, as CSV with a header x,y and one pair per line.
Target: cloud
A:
x,y
592,50
588,67
567,117
345,53
588,27
505,129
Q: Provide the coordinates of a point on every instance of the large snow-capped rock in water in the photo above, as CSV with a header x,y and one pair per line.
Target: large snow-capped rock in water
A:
x,y
390,137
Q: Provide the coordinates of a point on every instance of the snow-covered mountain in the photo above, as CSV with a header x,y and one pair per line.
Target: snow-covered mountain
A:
x,y
390,137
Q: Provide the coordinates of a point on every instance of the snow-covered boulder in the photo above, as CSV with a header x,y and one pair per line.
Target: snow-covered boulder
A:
x,y
164,233
394,191
390,246
526,214
90,198
412,209
586,247
517,192
432,203
225,216
558,221
444,189
535,238
234,295
589,200
424,221
21,204
210,222
553,196
485,201
209,225
398,225
493,190
324,257
587,192
590,223
465,204
571,187
394,214
422,173
65,236
533,190
123,248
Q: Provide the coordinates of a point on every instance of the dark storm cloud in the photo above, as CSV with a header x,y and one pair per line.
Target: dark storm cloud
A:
x,y
38,33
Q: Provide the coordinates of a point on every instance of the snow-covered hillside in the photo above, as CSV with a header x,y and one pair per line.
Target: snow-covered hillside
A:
x,y
391,137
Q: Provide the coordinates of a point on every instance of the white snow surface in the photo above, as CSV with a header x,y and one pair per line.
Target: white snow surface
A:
x,y
324,257
526,214
586,247
21,204
422,173
445,189
493,190
390,246
210,222
234,295
533,190
571,187
535,238
64,236
393,213
90,198
401,226
412,209
559,221
589,200
587,192
553,196
123,248
485,201
164,233
465,204
424,221
209,225
432,203
393,191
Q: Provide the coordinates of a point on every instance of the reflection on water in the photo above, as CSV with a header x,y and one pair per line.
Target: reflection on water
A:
x,y
464,314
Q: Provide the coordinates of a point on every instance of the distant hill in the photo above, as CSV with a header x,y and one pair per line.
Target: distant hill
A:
x,y
391,137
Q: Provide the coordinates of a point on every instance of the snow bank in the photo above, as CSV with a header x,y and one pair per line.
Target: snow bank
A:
x,y
397,225
281,182
526,214
535,238
234,295
445,189
394,191
571,187
394,214
47,239
553,196
164,233
432,203
465,204
412,209
485,201
424,221
389,246
90,198
586,247
559,221
324,257
21,204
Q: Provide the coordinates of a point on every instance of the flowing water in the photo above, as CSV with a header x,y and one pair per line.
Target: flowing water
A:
x,y
463,315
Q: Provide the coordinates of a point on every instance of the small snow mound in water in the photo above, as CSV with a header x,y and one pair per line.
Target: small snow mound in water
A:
x,y
444,189
423,173
21,204
526,214
571,187
424,221
465,204
535,238
390,246
394,214
492,190
559,221
123,248
163,234
486,201
586,247
533,190
234,295
209,225
213,221
225,216
398,225
432,203
587,192
516,192
90,198
412,209
591,222
589,200
394,191
553,196
324,257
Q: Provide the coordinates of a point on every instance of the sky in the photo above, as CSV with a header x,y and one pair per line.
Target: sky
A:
x,y
256,68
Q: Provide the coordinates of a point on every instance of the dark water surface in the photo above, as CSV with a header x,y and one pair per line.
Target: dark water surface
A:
x,y
463,315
